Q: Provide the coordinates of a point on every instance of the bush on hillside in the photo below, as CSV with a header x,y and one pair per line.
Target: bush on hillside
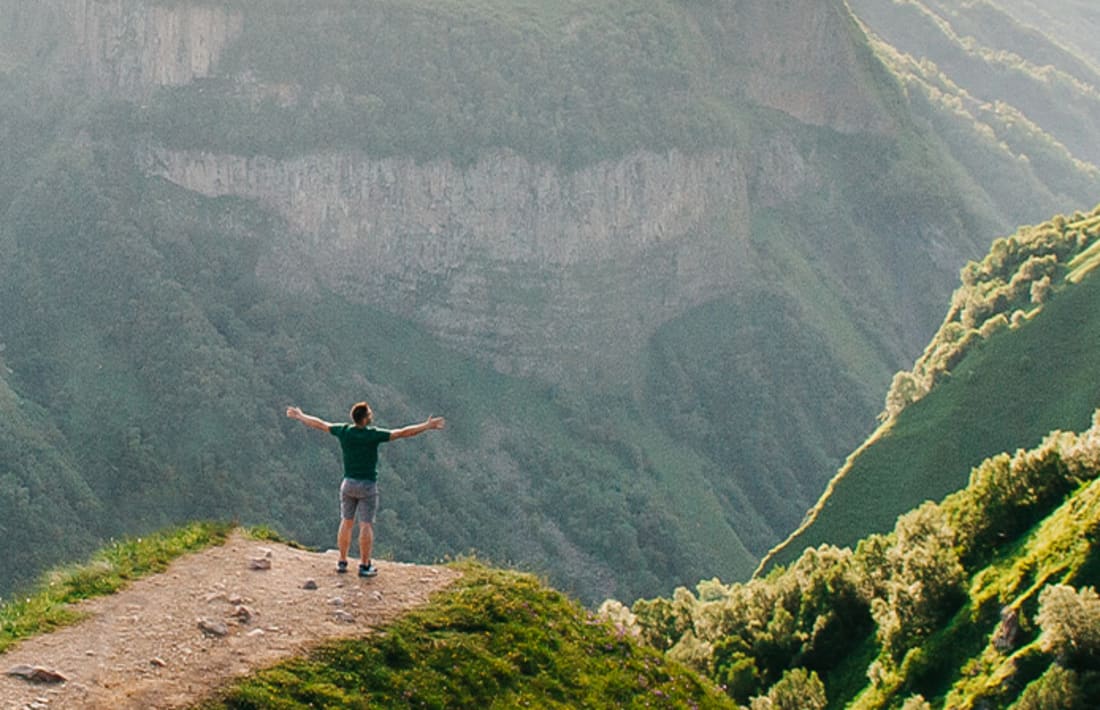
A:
x,y
916,702
798,689
1070,623
923,580
1057,688
747,636
1020,273
1008,494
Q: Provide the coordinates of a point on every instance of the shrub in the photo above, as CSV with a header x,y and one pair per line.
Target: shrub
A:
x,y
924,581
1057,689
1070,623
798,689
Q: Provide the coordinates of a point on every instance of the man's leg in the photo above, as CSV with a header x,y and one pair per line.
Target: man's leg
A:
x,y
366,542
343,538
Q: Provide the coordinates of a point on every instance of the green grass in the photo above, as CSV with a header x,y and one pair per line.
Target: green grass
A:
x,y
957,666
111,569
1008,392
1060,550
497,639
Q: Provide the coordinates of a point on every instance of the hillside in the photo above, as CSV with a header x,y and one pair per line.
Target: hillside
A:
x,y
1013,360
985,599
655,262
209,629
1014,105
1070,20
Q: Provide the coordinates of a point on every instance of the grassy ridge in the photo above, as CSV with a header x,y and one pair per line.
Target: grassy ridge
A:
x,y
108,571
986,599
1002,390
497,639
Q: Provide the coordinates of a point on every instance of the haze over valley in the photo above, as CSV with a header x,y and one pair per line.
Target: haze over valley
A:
x,y
697,286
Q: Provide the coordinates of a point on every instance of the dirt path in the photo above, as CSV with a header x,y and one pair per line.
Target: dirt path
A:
x,y
144,648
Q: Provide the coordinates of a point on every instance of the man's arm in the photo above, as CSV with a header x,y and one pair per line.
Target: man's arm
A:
x,y
414,429
308,419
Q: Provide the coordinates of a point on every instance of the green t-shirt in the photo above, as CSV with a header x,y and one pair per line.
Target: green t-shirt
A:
x,y
360,447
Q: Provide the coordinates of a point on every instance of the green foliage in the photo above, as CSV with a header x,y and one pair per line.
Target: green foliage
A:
x,y
921,581
1070,624
965,392
1058,689
496,640
961,605
109,570
754,633
796,690
569,83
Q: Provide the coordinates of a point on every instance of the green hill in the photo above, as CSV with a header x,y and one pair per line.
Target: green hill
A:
x,y
489,211
494,638
986,599
1013,360
1013,104
655,262
499,640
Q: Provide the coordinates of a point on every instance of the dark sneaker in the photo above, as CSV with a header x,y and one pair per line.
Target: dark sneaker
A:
x,y
368,570
342,567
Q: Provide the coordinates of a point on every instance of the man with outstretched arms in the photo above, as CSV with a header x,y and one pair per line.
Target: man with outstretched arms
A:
x,y
359,443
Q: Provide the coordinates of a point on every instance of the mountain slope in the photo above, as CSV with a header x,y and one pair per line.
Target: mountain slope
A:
x,y
1013,360
1014,106
986,599
1072,20
215,212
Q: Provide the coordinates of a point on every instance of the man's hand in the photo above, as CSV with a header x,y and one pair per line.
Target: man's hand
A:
x,y
414,429
308,419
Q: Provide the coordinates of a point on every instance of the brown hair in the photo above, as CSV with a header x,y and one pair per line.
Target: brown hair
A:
x,y
361,413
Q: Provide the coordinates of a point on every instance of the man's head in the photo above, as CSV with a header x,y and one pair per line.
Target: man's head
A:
x,y
361,414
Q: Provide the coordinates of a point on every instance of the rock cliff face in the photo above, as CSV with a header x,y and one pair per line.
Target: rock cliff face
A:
x,y
530,266
128,47
801,58
539,269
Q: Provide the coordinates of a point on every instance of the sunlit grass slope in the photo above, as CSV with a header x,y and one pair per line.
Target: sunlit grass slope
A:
x,y
46,606
1012,362
497,639
985,599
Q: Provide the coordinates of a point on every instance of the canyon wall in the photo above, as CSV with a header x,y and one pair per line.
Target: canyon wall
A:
x,y
537,268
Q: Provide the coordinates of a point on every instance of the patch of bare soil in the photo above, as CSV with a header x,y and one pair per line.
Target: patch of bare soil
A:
x,y
173,639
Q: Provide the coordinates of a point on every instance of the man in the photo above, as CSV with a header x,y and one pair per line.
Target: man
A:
x,y
359,443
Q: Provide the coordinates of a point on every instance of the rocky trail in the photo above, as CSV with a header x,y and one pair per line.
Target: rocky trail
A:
x,y
173,639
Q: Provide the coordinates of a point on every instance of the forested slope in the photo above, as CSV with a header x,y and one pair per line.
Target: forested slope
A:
x,y
984,599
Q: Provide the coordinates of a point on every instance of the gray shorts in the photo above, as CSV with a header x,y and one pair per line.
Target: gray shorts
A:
x,y
361,496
